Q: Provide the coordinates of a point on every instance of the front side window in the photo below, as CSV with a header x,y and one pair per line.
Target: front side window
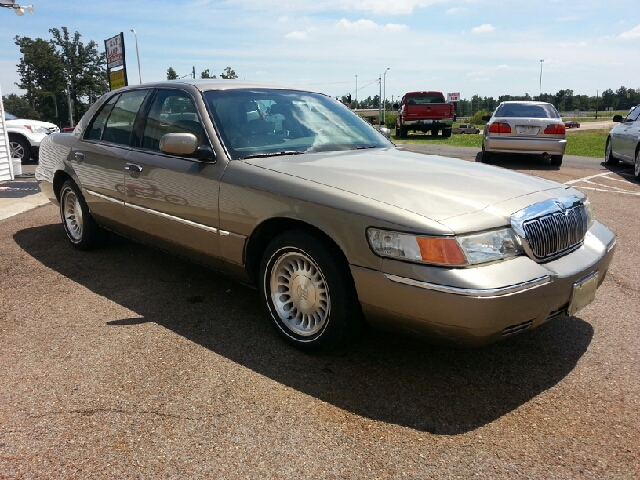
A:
x,y
172,111
633,115
264,122
120,120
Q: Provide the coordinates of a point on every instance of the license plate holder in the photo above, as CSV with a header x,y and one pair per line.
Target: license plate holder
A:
x,y
527,130
584,292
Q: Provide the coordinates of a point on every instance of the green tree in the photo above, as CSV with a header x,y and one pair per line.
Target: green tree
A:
x,y
171,74
19,106
228,74
84,69
207,74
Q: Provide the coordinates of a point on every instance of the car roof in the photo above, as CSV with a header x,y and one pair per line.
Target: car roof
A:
x,y
525,102
206,84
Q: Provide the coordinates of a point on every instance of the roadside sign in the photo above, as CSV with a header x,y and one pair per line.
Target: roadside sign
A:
x,y
453,97
115,51
116,79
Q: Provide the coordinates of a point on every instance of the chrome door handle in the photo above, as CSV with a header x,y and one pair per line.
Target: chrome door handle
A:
x,y
132,167
79,156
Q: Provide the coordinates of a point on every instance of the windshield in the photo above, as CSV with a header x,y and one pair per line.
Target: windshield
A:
x,y
524,110
8,116
264,122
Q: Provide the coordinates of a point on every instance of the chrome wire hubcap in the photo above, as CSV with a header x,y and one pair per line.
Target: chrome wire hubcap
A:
x,y
72,213
16,150
299,294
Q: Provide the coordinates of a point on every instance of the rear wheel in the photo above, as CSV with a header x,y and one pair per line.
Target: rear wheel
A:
x,y
19,148
403,131
556,160
82,230
636,164
446,132
309,295
485,156
609,159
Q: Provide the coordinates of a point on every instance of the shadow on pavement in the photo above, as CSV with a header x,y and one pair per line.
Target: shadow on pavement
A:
x,y
385,378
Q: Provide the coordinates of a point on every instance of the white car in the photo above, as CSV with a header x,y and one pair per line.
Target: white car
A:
x,y
25,136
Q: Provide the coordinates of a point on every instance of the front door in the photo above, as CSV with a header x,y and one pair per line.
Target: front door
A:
x,y
173,200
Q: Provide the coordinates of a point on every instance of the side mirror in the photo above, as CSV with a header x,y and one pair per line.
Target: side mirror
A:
x,y
486,118
179,143
617,118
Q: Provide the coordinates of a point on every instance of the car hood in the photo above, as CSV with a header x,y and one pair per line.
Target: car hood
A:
x,y
432,186
21,122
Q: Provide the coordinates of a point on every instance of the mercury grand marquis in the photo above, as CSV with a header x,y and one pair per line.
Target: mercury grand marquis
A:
x,y
290,191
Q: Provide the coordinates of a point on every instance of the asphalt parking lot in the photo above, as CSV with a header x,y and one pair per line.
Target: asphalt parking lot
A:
x,y
127,362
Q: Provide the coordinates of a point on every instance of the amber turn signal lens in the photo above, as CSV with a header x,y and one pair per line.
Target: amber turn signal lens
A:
x,y
444,251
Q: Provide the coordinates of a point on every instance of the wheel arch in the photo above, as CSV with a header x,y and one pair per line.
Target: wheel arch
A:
x,y
269,229
58,180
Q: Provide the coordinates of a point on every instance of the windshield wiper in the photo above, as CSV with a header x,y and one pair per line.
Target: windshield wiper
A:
x,y
275,154
366,146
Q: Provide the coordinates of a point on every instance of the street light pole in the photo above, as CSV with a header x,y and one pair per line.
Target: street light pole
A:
x,y
384,94
137,54
380,101
541,62
356,89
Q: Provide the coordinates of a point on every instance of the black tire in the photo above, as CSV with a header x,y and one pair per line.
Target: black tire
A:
x,y
397,131
19,147
609,158
434,132
636,164
309,270
485,156
82,230
446,132
403,131
556,160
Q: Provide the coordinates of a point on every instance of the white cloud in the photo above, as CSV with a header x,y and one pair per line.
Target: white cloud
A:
x,y
296,35
484,28
376,7
454,11
631,34
502,67
361,24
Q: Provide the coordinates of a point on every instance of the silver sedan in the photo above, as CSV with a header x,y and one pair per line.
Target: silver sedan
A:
x,y
623,142
525,127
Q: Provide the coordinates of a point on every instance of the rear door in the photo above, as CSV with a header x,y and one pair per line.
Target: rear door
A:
x,y
628,137
99,158
172,200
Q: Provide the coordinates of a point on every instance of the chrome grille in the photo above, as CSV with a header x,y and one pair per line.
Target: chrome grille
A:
x,y
553,234
551,228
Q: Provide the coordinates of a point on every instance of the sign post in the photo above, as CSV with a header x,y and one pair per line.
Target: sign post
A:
x,y
114,47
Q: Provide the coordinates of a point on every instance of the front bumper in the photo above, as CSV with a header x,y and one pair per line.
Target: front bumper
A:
x,y
540,146
480,305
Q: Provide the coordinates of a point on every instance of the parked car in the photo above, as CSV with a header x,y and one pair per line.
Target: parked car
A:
x,y
525,127
424,112
571,124
623,141
25,136
465,128
331,223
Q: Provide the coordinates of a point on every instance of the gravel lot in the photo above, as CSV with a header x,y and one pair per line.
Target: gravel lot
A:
x,y
127,362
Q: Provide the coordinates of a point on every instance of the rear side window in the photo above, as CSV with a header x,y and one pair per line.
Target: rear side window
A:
x,y
115,121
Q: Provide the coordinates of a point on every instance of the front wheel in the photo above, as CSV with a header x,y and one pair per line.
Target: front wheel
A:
x,y
308,293
556,160
609,158
19,148
636,164
82,230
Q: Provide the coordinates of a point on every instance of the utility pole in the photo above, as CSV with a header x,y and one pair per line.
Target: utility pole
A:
x,y
356,89
597,94
541,62
380,102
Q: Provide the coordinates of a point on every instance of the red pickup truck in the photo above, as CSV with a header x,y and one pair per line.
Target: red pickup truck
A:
x,y
425,112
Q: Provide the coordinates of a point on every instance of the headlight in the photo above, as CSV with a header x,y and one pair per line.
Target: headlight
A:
x,y
454,251
591,216
489,246
37,129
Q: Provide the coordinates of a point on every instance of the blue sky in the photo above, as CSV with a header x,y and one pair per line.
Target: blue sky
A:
x,y
483,47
